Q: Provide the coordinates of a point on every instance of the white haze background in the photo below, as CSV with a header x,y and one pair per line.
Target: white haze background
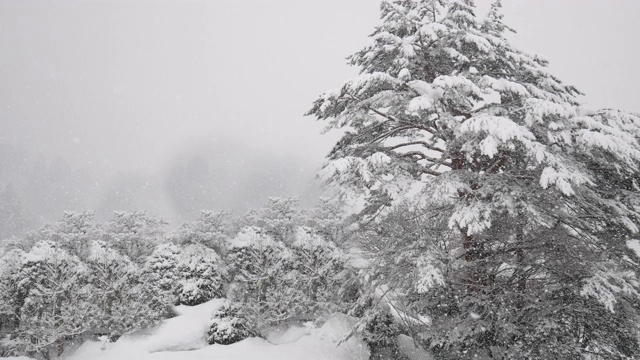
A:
x,y
175,106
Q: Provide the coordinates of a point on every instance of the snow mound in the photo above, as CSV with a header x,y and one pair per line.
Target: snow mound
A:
x,y
187,331
288,335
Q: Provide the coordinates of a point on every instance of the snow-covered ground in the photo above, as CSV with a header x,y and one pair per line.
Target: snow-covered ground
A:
x,y
183,338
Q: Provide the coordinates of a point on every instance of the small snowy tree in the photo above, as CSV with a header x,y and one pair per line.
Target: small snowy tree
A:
x,y
230,324
540,195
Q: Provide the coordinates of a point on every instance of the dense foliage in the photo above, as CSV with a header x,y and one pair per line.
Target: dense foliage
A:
x,y
77,279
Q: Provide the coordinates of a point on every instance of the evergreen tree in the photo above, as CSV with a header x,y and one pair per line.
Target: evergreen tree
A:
x,y
536,197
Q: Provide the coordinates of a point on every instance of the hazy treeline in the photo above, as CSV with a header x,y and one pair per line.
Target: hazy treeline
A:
x,y
37,188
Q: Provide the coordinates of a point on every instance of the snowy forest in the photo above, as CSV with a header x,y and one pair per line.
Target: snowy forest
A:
x,y
472,206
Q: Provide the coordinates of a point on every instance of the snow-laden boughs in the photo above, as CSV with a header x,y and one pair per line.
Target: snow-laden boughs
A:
x,y
448,115
429,274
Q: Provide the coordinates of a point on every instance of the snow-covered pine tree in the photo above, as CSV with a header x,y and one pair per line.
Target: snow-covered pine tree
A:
x,y
134,234
543,195
116,291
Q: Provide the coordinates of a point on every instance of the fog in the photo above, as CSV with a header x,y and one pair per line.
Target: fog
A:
x,y
178,106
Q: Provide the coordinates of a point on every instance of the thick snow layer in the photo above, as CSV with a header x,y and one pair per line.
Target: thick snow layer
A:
x,y
183,338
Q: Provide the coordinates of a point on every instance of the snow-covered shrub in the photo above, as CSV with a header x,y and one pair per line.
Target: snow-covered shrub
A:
x,y
199,274
188,275
117,293
379,330
229,324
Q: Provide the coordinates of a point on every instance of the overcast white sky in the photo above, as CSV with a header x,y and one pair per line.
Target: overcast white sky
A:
x,y
119,86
